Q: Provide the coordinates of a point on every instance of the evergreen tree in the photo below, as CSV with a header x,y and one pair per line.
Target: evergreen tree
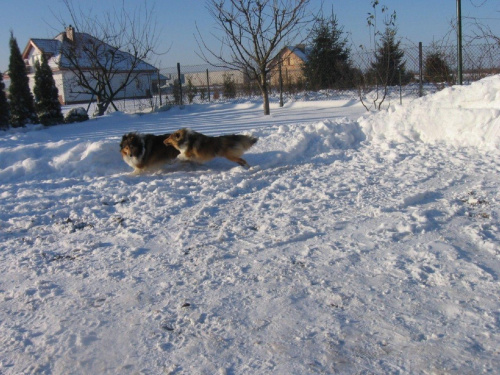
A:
x,y
191,91
328,64
48,107
22,109
389,63
436,69
4,106
229,87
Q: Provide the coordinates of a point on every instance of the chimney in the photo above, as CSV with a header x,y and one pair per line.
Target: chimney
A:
x,y
70,33
301,47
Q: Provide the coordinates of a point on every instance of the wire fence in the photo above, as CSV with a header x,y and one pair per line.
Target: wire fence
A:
x,y
185,84
479,61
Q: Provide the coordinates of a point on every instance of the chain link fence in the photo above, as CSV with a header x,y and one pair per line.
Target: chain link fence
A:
x,y
185,84
437,62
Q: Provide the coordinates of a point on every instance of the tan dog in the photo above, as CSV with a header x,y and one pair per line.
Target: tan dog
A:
x,y
198,147
143,151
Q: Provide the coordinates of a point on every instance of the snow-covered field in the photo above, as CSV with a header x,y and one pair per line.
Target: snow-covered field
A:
x,y
353,245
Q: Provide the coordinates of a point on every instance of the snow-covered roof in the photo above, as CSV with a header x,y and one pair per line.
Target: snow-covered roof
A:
x,y
48,46
301,51
84,42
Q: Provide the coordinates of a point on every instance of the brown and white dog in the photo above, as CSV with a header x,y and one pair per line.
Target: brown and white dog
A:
x,y
198,147
144,151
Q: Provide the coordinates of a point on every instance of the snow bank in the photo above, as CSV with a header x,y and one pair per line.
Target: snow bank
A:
x,y
299,143
60,159
290,144
459,116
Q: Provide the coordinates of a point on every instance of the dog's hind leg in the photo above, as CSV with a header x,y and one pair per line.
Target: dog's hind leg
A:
x,y
240,161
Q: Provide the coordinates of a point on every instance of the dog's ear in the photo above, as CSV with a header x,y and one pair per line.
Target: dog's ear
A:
x,y
179,134
124,138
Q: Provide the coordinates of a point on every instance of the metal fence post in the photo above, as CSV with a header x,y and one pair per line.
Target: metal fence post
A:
x,y
420,70
159,86
208,85
459,42
180,82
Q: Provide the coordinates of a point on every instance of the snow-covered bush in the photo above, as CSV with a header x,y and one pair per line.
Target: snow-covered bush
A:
x,y
78,114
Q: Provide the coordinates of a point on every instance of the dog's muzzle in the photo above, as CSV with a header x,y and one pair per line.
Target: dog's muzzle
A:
x,y
125,151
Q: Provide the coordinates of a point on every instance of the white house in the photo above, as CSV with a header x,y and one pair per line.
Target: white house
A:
x,y
69,91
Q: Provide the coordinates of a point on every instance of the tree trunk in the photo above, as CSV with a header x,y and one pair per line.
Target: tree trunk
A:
x,y
101,107
265,93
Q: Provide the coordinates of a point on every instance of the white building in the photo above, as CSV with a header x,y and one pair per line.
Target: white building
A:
x,y
67,84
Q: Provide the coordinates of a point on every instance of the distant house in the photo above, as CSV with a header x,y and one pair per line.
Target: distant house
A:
x,y
197,74
158,82
6,82
69,92
292,61
217,78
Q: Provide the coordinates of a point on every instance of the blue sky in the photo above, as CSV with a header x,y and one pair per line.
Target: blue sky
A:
x,y
423,20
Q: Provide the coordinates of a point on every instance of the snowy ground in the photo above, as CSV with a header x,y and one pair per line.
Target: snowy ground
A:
x,y
352,246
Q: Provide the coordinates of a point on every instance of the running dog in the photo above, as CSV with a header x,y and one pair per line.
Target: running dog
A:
x,y
201,148
145,151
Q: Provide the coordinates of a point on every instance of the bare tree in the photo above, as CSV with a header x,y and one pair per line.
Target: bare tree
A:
x,y
252,32
484,32
481,30
385,47
106,53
